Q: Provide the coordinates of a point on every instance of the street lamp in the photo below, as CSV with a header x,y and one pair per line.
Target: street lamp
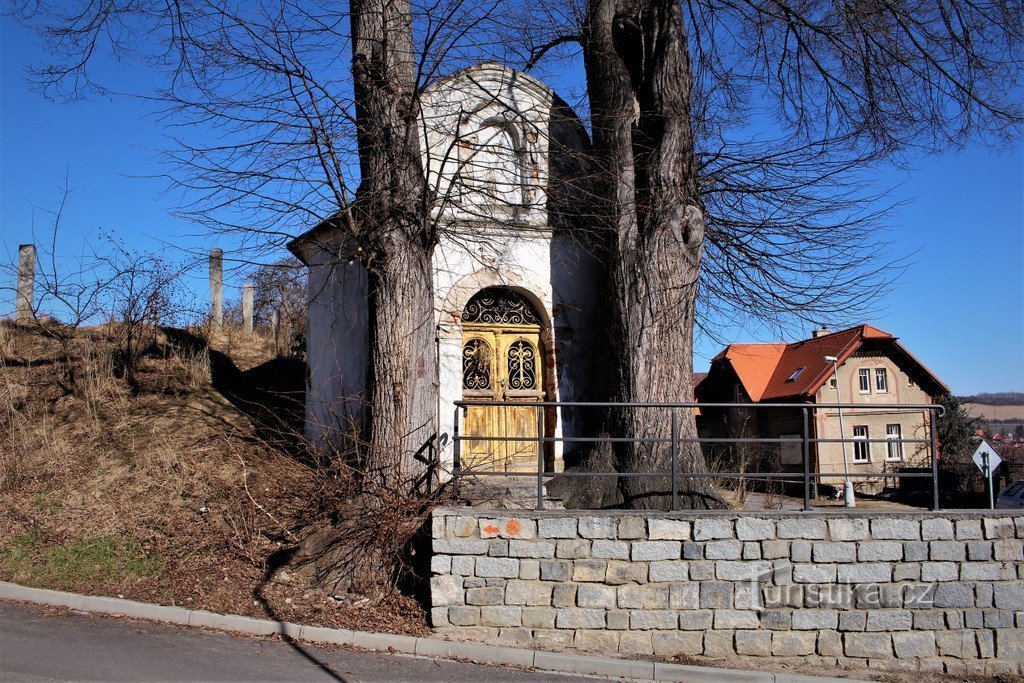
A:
x,y
847,484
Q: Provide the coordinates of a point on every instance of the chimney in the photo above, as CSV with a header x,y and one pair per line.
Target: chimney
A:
x,y
820,332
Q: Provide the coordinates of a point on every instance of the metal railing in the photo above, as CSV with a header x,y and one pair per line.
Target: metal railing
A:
x,y
674,440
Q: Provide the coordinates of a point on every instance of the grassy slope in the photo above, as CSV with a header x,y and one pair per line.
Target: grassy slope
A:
x,y
166,491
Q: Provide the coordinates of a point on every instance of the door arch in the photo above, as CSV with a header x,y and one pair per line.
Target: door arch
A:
x,y
502,360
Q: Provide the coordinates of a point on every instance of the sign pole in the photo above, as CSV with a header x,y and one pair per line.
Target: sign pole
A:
x,y
988,473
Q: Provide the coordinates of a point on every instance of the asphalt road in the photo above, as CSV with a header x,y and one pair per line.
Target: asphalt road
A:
x,y
36,645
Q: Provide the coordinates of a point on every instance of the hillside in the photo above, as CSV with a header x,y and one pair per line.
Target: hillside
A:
x,y
178,482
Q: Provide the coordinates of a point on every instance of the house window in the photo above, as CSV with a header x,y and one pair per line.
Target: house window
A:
x,y
881,380
865,381
795,374
894,449
861,451
832,383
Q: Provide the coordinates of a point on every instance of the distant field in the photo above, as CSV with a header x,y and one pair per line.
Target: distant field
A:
x,y
1014,412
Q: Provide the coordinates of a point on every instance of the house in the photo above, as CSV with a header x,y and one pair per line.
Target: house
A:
x,y
514,280
874,369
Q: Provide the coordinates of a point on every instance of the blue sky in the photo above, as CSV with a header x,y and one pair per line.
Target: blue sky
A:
x,y
959,307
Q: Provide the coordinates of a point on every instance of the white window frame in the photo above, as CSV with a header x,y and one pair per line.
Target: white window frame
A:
x,y
881,387
894,450
861,451
864,378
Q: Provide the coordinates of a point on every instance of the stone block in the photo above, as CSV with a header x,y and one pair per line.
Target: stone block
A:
x,y
883,529
596,641
702,571
986,644
498,547
751,570
998,618
974,618
812,529
501,616
439,617
1010,644
847,529
555,570
880,551
710,529
473,582
716,595
868,645
441,564
669,570
776,620
463,565
506,527
461,526
564,595
734,618
754,529
572,549
929,620
493,595
619,572
751,550
906,572
793,643
719,644
998,527
1009,595
954,619
445,590
1008,549
495,582
753,643
814,573
464,616
815,619
940,571
914,644
695,619
539,617
747,596
668,529
577,617
647,596
852,622
589,570
800,551
834,552
979,551
968,529
957,644
775,549
937,529
872,572
597,527
610,550
670,643
554,639
532,549
652,619
985,571
529,570
556,527
984,594
723,550
954,551
617,620
647,551
915,551
889,620
637,643
692,550
459,546
528,593
596,595
497,567
631,528
684,595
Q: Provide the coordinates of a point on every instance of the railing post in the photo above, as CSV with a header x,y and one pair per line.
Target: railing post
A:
x,y
935,459
806,445
540,457
675,459
456,456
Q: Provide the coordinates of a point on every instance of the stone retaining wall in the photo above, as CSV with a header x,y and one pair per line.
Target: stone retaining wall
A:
x,y
922,591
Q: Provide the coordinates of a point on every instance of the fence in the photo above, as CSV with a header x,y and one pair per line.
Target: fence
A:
x,y
674,440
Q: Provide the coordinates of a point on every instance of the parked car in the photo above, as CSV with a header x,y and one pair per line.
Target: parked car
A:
x,y
1012,497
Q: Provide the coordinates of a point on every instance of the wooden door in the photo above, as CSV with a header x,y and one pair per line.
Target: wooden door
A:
x,y
501,363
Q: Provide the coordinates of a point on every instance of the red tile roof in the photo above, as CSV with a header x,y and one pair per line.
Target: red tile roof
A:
x,y
784,371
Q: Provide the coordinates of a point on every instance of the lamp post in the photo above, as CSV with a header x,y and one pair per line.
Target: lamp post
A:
x,y
848,498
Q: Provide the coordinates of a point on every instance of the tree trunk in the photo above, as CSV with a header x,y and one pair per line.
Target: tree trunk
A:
x,y
639,81
394,223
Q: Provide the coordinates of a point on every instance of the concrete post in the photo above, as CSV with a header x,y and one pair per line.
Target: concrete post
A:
x,y
23,307
247,296
276,321
217,287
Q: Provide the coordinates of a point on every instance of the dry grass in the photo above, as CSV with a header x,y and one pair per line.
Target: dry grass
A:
x,y
159,491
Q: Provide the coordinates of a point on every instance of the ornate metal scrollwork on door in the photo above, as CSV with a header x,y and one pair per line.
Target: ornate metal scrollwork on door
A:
x,y
522,366
476,365
499,306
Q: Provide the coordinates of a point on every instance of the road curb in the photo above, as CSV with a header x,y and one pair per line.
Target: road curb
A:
x,y
479,653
